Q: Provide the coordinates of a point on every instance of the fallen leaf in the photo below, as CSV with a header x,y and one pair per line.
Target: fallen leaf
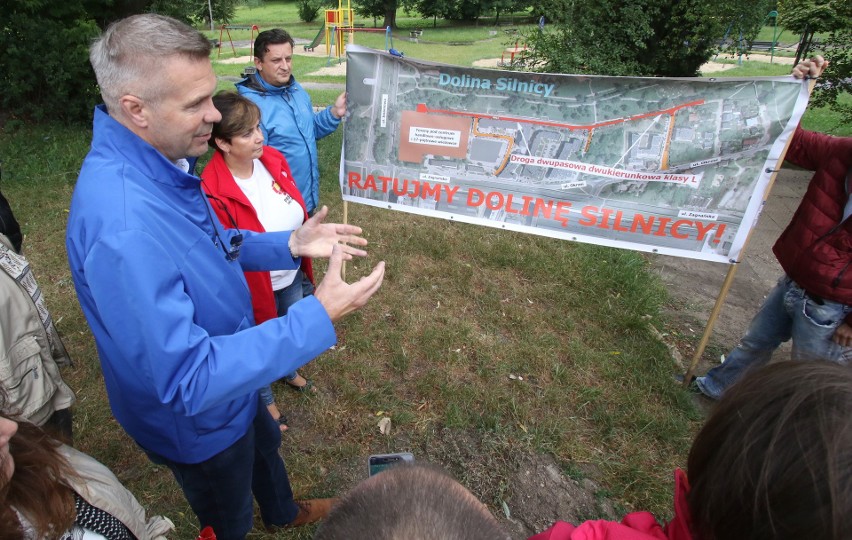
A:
x,y
385,426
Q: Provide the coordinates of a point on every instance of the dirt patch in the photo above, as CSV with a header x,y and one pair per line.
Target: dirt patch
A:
x,y
542,494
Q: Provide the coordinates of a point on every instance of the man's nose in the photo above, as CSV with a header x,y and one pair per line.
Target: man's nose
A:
x,y
213,115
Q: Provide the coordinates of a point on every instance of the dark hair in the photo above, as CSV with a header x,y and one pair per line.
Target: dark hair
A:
x,y
239,115
774,461
410,502
36,488
276,36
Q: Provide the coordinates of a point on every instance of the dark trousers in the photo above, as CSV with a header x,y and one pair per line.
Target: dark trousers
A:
x,y
220,489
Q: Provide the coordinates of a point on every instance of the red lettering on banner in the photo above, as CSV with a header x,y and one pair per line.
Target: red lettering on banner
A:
x,y
719,232
661,229
473,192
676,225
646,224
604,224
355,180
431,191
491,196
370,183
703,229
396,189
451,191
616,224
509,208
525,211
563,207
543,208
589,216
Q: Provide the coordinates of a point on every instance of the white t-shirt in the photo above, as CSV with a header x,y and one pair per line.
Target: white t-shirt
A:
x,y
276,211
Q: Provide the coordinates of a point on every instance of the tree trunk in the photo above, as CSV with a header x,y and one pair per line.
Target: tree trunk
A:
x,y
390,14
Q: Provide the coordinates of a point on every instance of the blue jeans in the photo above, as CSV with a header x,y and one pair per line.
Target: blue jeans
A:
x,y
284,298
788,312
220,489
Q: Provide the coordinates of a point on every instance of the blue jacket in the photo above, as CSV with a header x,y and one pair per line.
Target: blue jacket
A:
x,y
172,317
290,126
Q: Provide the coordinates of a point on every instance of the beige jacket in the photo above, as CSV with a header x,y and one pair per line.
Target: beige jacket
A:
x,y
100,488
29,357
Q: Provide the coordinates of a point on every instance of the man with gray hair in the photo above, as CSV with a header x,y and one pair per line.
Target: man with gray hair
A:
x,y
161,284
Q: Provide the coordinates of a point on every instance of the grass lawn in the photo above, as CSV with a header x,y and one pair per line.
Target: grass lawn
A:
x,y
464,313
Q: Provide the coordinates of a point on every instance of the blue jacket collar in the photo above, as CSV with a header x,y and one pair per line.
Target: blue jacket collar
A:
x,y
112,135
256,83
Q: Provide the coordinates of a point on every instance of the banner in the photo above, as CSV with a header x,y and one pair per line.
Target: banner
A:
x,y
677,166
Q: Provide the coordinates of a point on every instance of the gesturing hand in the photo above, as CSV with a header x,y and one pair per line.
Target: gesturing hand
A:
x,y
316,239
843,335
338,297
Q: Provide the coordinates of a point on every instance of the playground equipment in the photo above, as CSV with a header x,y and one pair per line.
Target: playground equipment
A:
x,y
317,38
512,52
227,28
337,21
744,48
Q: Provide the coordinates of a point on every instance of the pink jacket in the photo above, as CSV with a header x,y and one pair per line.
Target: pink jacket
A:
x,y
634,526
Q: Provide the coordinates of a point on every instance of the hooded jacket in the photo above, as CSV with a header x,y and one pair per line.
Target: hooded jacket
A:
x,y
815,249
290,126
171,314
634,526
231,203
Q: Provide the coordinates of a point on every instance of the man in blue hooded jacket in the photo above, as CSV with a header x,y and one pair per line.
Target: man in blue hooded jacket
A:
x,y
161,284
288,120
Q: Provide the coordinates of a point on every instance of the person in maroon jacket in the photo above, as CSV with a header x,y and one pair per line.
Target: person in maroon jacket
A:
x,y
250,186
813,299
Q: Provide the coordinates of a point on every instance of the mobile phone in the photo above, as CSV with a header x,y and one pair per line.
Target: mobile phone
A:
x,y
379,462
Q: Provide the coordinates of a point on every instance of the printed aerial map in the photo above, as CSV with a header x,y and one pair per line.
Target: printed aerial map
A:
x,y
674,166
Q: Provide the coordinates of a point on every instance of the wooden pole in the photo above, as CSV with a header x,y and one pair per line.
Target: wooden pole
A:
x,y
708,330
345,221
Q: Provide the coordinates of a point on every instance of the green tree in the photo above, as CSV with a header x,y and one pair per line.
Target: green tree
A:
x,y
834,18
386,9
45,67
648,38
808,17
837,78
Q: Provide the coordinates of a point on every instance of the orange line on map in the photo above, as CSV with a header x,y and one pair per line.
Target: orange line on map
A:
x,y
509,140
671,111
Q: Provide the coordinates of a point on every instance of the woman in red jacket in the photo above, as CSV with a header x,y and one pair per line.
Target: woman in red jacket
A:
x,y
250,187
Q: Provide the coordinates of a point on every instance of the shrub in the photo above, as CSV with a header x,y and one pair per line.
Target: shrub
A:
x,y
45,69
308,10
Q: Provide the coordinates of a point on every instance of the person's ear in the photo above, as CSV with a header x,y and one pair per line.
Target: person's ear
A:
x,y
222,144
258,63
134,109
